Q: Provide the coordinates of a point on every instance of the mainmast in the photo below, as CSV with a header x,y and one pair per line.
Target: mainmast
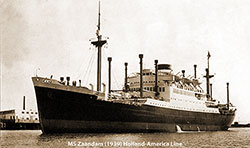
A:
x,y
208,76
99,43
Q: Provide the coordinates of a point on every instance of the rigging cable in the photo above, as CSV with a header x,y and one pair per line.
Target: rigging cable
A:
x,y
113,75
84,69
90,64
90,69
81,70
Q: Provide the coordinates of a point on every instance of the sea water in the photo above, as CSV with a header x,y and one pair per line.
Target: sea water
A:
x,y
234,137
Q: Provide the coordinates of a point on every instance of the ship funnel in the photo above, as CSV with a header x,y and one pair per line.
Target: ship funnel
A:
x,y
109,74
126,77
195,66
23,102
183,73
164,67
68,79
141,78
227,95
156,78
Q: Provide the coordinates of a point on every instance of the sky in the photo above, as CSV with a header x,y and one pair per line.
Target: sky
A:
x,y
52,37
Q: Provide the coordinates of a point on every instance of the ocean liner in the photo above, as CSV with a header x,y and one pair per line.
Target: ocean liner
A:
x,y
150,101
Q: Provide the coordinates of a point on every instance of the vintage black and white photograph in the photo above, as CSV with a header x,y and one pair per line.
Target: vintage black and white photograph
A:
x,y
125,73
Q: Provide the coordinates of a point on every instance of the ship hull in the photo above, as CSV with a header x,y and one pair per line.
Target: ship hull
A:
x,y
67,111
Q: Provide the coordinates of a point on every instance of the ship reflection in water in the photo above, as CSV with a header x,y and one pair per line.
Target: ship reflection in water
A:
x,y
234,137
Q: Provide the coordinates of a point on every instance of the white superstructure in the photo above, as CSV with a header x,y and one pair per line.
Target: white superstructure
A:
x,y
175,92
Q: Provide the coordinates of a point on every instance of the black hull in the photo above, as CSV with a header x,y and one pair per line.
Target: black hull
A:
x,y
67,111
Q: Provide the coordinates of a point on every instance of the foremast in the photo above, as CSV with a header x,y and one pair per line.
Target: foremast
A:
x,y
99,43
